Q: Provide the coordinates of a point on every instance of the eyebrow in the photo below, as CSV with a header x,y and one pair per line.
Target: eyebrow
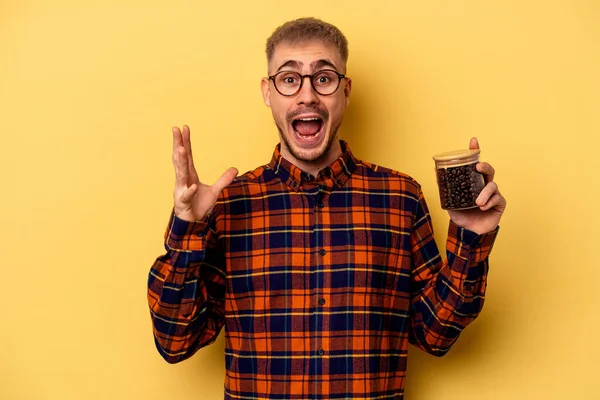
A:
x,y
313,65
322,63
290,63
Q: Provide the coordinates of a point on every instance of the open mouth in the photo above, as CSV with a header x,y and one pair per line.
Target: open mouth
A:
x,y
307,128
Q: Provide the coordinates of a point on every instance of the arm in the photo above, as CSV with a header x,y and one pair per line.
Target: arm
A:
x,y
446,295
186,288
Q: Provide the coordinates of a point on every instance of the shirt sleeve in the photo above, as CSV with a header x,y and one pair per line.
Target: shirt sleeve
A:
x,y
446,295
186,289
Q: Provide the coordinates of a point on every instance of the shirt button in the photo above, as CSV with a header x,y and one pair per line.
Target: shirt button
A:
x,y
468,287
322,301
321,204
322,252
321,352
200,234
294,184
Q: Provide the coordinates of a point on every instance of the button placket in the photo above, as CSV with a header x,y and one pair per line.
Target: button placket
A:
x,y
320,195
317,192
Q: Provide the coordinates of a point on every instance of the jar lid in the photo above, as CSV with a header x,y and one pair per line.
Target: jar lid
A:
x,y
456,155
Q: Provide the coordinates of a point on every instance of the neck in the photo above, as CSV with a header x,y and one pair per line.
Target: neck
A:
x,y
313,167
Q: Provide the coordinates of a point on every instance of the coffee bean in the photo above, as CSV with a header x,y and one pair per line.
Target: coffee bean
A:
x,y
459,186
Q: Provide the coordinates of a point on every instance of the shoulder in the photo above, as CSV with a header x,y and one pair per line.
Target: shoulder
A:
x,y
395,180
250,183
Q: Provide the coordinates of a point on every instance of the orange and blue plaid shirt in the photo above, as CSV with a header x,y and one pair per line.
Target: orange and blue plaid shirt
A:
x,y
321,282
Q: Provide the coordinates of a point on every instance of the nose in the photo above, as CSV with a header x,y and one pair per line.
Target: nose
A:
x,y
307,94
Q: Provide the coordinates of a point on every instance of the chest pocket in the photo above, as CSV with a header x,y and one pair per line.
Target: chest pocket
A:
x,y
370,261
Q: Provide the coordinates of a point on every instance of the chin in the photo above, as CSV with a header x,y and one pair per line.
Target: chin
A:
x,y
309,154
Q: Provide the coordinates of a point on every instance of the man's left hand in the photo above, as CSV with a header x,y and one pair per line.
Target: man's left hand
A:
x,y
491,203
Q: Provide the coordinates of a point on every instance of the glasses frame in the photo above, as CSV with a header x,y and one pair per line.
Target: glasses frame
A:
x,y
312,84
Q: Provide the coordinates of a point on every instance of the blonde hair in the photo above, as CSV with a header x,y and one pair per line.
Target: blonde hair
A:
x,y
305,29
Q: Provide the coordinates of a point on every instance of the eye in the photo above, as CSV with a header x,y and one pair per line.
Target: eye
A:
x,y
288,79
325,78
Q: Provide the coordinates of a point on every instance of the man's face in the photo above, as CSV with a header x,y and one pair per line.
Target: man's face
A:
x,y
308,121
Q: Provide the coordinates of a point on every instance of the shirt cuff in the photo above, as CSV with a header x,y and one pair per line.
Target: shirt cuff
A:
x,y
183,235
469,245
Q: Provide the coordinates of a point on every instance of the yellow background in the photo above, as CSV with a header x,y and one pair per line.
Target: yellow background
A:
x,y
89,92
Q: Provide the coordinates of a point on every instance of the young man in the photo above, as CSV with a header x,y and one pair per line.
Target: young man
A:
x,y
321,267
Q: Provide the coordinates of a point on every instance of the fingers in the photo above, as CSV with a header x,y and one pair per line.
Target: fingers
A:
x,y
186,140
474,143
182,140
177,139
489,197
187,194
496,201
193,176
177,144
225,179
187,143
487,170
180,161
185,171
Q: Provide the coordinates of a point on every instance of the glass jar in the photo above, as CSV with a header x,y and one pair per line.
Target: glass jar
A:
x,y
458,181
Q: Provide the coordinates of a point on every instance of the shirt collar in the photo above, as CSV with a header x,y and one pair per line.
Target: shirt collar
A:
x,y
330,177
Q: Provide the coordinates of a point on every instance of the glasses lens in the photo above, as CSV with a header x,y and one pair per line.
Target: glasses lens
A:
x,y
287,82
326,82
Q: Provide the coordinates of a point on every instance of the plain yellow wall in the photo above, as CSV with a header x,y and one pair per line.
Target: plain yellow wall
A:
x,y
88,94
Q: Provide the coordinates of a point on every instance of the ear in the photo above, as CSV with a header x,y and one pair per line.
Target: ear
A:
x,y
348,90
266,91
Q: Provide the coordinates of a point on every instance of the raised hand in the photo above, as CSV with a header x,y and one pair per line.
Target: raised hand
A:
x,y
491,203
193,200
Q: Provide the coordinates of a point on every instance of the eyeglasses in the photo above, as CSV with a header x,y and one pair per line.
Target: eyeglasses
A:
x,y
324,82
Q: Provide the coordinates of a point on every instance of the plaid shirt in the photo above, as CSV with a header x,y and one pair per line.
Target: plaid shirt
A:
x,y
321,282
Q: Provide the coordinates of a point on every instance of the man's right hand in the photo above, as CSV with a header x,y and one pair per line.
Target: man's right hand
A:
x,y
193,199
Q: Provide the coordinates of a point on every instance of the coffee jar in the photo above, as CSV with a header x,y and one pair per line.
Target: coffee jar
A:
x,y
458,181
